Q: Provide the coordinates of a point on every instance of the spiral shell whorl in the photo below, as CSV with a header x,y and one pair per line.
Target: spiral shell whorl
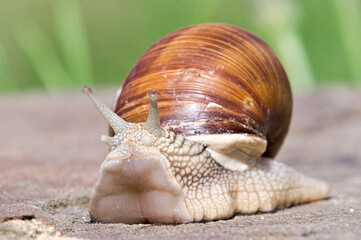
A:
x,y
212,79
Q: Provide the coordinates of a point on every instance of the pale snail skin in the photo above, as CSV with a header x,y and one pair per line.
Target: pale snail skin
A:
x,y
153,175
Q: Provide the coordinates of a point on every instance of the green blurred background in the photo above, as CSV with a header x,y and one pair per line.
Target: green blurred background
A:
x,y
64,44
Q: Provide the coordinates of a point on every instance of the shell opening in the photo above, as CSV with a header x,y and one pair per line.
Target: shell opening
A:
x,y
237,152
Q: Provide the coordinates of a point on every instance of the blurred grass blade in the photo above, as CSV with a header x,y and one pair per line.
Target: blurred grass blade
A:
x,y
43,57
7,82
295,60
73,40
349,23
278,19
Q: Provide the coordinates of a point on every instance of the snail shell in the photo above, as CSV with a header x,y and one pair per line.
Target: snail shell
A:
x,y
219,85
204,152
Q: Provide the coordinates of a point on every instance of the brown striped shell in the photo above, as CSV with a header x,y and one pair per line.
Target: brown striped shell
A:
x,y
211,79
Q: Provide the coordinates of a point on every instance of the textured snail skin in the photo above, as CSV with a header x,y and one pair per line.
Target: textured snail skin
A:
x,y
212,79
153,175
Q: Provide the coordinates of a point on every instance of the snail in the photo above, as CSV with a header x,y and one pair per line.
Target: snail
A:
x,y
206,150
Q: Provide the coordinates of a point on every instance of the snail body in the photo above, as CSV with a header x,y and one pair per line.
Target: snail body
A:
x,y
206,151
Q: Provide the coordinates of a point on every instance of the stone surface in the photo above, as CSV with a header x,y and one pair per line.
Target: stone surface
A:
x,y
50,154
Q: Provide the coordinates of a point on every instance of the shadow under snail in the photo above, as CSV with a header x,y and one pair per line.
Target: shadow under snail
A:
x,y
205,150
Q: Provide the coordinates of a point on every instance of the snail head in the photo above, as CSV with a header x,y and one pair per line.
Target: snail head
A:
x,y
127,133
